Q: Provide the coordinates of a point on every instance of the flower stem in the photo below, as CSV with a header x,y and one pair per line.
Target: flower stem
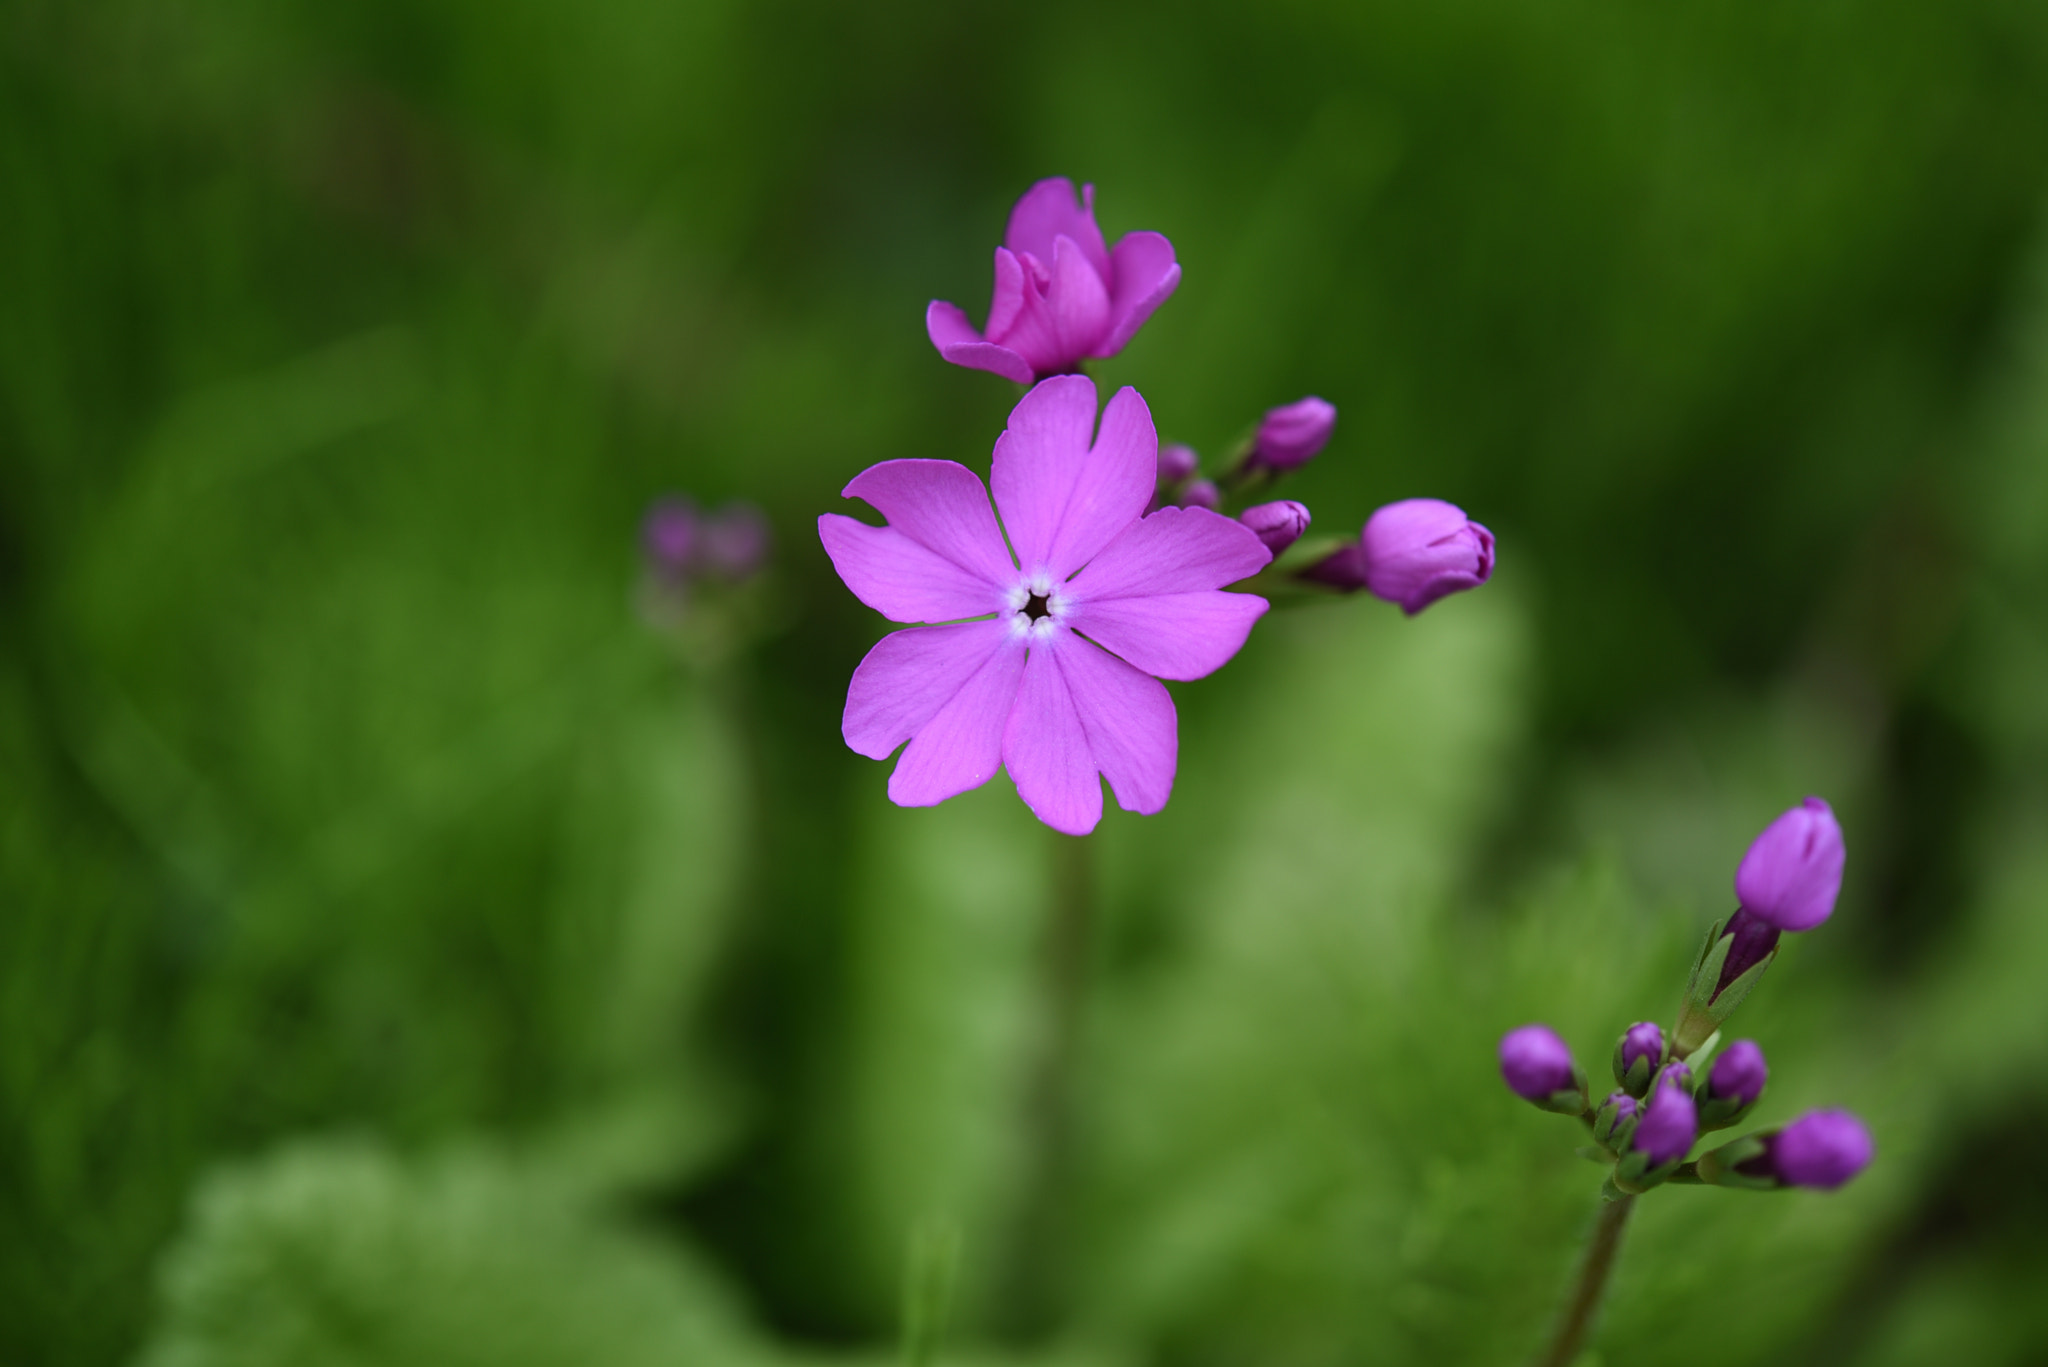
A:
x,y
1048,1098
1589,1285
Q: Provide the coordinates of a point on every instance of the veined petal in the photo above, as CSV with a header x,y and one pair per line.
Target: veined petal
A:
x,y
1048,211
1171,635
961,746
1062,499
1045,746
1129,721
900,579
958,342
1064,309
911,676
1174,550
1008,300
941,505
1142,274
1037,459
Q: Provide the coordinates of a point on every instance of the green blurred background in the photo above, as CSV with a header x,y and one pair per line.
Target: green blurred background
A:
x,y
404,958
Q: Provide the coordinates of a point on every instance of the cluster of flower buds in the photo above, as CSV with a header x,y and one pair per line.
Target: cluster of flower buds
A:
x,y
1671,1089
693,564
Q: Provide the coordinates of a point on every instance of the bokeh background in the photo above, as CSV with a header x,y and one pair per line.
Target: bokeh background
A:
x,y
409,955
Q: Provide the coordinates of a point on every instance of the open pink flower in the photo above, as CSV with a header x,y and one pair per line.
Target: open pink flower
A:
x,y
1060,294
1056,678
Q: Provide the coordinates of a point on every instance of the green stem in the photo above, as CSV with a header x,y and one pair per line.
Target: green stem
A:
x,y
1048,1098
1589,1285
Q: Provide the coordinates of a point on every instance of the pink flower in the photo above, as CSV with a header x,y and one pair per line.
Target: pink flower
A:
x,y
1056,677
1060,294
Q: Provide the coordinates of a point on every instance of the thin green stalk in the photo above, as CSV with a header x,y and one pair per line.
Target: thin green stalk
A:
x,y
1589,1285
1048,1097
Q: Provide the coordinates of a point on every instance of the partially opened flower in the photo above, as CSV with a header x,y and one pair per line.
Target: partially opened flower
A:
x,y
1056,677
1061,295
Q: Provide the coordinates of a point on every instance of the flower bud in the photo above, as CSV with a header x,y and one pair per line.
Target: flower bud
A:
x,y
1739,1074
1420,549
1733,1084
1668,1126
1538,1067
1730,964
1290,436
1615,1121
1792,873
1637,1054
1279,524
669,537
1820,1149
1202,493
1176,463
735,542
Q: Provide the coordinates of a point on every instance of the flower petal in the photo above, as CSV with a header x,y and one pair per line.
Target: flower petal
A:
x,y
1036,459
1064,311
900,579
911,676
1048,211
1129,720
961,746
1010,290
959,343
942,506
1061,499
1171,635
1174,550
1045,746
1142,274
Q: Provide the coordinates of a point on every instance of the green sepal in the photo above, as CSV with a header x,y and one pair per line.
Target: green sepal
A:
x,y
1593,1153
1610,1192
1700,1057
1731,996
1566,1101
1610,1129
1717,1166
1705,1008
1719,1114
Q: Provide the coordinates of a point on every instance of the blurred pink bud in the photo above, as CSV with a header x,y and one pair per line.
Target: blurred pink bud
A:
x,y
1279,524
1203,493
1290,436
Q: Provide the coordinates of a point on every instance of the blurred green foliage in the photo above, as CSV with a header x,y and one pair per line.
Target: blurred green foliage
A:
x,y
405,958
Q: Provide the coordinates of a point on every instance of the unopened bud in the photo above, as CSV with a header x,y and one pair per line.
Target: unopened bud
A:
x,y
1820,1149
736,541
1176,463
1636,1056
1279,524
1290,436
669,537
1615,1121
1792,873
1538,1067
1202,493
1733,1085
1420,549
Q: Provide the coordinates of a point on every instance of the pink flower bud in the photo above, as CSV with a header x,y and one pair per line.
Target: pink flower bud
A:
x,y
1203,493
1535,1063
1792,873
1278,524
669,536
1290,436
1421,549
1177,463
